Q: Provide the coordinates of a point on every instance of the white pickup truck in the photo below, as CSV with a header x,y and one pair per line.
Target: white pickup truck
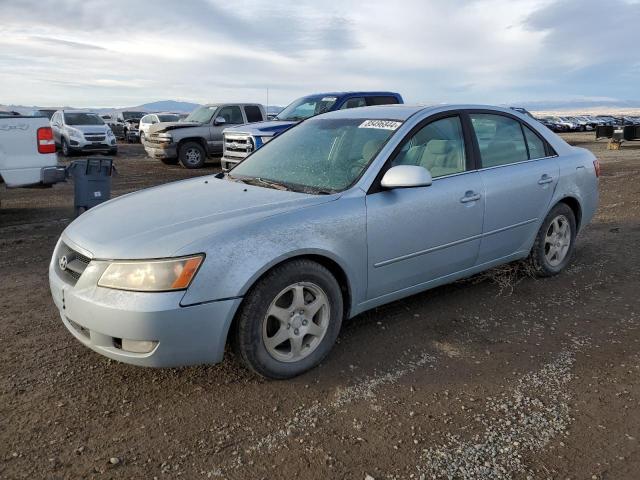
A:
x,y
28,152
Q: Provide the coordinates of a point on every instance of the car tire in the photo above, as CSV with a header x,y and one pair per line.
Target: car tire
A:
x,y
64,147
192,155
113,151
142,138
293,290
554,245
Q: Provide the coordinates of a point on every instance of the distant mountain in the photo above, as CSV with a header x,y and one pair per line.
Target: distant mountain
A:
x,y
165,106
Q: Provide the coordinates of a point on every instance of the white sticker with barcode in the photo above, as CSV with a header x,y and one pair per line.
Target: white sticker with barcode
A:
x,y
381,124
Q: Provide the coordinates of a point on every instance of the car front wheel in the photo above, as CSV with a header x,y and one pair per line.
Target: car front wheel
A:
x,y
289,320
192,155
555,242
66,151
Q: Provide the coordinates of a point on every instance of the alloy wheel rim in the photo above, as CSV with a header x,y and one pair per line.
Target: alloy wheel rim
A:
x,y
296,322
557,240
193,156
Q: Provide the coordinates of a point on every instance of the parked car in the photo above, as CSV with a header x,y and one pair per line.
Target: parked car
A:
x,y
125,125
242,140
78,131
342,213
152,119
27,152
553,124
199,136
44,112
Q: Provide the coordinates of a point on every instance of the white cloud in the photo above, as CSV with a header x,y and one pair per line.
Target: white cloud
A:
x,y
488,51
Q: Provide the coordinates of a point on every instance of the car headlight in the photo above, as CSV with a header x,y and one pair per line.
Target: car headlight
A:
x,y
73,133
109,133
151,275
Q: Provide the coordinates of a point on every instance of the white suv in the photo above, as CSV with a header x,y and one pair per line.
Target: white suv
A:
x,y
82,131
152,119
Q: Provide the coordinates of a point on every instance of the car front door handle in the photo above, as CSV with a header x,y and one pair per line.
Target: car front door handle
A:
x,y
545,179
470,196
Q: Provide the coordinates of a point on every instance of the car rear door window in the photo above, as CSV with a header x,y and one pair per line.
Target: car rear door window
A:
x,y
438,147
382,100
500,139
534,143
253,113
231,114
354,103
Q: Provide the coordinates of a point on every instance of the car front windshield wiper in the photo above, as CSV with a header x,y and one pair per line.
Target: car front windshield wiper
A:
x,y
267,183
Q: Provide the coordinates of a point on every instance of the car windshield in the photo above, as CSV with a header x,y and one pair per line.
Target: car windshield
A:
x,y
306,107
318,156
82,119
133,115
201,115
168,118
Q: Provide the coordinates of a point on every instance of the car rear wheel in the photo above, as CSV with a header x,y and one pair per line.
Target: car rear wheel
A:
x,y
192,155
289,320
555,242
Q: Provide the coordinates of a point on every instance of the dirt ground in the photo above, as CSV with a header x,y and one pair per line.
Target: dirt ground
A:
x,y
498,376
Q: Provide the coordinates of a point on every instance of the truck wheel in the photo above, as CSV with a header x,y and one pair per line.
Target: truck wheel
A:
x,y
290,320
66,151
192,155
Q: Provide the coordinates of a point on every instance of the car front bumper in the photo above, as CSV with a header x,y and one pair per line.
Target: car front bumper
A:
x,y
81,145
167,151
106,320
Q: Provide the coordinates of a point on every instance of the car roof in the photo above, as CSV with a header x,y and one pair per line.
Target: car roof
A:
x,y
77,111
355,93
224,104
403,111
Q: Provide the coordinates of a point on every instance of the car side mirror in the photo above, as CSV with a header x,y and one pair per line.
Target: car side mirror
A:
x,y
220,121
406,176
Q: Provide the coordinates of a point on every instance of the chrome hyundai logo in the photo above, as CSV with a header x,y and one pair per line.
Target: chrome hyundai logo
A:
x,y
62,263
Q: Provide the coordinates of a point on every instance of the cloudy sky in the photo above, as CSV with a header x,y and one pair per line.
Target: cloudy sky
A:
x,y
128,52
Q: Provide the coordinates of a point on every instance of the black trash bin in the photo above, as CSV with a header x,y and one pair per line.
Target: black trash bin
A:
x,y
92,182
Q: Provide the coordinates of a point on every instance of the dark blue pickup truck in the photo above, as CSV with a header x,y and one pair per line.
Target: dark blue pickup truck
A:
x,y
240,141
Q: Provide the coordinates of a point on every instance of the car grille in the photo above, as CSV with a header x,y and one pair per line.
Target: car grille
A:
x,y
94,137
237,146
70,264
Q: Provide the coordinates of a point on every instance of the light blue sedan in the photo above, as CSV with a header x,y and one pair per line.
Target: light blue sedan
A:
x,y
344,212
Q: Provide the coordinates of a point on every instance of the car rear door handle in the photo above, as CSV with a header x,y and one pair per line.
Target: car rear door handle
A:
x,y
470,196
544,179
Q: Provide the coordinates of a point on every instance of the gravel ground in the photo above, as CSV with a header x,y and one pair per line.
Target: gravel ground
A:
x,y
496,377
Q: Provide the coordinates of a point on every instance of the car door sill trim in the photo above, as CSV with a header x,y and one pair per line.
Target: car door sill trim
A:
x,y
408,256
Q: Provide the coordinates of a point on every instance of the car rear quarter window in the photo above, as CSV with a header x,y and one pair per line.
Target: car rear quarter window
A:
x,y
253,113
500,139
382,100
535,144
438,147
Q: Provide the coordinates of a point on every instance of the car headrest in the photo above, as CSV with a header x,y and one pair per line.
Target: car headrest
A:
x,y
438,147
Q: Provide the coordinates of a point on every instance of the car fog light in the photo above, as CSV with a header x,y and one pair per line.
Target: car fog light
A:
x,y
138,346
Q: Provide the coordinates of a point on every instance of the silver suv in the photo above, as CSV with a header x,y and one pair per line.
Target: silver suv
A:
x,y
82,131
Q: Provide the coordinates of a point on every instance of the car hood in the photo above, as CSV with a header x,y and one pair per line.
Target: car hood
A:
x,y
100,129
179,218
262,128
166,126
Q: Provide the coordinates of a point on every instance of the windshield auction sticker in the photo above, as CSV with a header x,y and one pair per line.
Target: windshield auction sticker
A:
x,y
381,124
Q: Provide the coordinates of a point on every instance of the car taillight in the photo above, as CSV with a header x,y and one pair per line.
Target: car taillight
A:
x,y
46,143
596,166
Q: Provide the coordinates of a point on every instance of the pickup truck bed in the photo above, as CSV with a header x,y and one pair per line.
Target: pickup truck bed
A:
x,y
27,152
